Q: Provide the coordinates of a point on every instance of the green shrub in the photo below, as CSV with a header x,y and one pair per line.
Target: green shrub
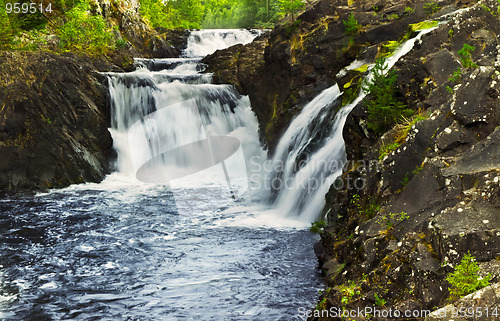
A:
x,y
349,291
387,220
409,10
465,55
84,32
351,25
378,301
383,108
465,279
317,226
291,6
457,75
431,7
387,149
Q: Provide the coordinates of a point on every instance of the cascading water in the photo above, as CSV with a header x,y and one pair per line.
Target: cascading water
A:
x,y
308,159
207,41
169,121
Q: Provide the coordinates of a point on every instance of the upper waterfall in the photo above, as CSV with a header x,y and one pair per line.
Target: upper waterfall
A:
x,y
169,122
207,41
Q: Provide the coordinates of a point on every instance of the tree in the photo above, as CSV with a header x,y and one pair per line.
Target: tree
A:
x,y
6,28
291,7
383,108
84,31
465,279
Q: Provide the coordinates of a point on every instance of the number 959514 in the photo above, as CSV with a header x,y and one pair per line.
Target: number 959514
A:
x,y
26,7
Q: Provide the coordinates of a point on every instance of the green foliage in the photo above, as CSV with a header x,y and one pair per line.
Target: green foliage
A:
x,y
387,149
31,40
7,30
383,109
349,291
85,32
120,43
387,220
378,301
290,7
456,77
351,25
465,279
406,180
393,16
370,207
221,13
321,305
409,10
186,14
431,7
465,55
450,33
317,226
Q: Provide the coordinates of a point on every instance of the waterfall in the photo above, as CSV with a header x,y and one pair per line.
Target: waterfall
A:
x,y
169,122
311,153
207,41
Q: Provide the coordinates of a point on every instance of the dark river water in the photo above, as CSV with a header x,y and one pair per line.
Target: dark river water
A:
x,y
120,250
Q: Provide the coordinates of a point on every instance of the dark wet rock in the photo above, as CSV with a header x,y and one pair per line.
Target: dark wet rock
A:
x,y
484,156
54,125
441,65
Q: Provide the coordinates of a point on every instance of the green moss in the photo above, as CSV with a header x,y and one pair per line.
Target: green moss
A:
x,y
388,48
362,69
387,149
423,25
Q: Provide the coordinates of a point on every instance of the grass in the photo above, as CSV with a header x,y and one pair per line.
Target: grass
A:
x,y
401,133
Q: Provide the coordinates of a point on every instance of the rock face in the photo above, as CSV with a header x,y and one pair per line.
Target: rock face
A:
x,y
484,304
436,196
53,125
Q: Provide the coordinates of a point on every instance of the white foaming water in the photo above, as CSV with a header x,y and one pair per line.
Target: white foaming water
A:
x,y
306,177
166,112
207,41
